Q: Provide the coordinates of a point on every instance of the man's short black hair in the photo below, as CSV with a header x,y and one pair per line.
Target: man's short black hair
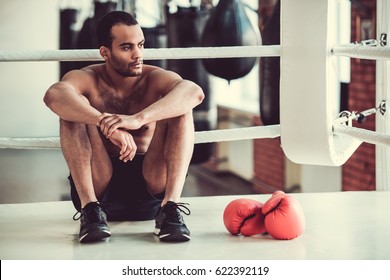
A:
x,y
106,22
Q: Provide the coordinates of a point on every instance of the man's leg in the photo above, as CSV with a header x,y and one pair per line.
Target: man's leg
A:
x,y
168,157
165,169
91,171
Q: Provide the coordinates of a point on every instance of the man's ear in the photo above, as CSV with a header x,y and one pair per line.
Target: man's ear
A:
x,y
104,53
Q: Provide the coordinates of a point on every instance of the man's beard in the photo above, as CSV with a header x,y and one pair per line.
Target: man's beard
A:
x,y
132,69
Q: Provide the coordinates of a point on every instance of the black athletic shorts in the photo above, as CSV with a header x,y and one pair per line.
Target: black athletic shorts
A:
x,y
127,196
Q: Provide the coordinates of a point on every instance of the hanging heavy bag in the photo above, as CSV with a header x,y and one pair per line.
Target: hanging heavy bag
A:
x,y
68,18
270,71
185,27
86,38
229,25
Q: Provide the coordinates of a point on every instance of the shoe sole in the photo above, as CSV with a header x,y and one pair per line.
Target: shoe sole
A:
x,y
172,237
94,236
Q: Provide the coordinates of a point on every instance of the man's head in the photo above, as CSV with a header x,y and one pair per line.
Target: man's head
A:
x,y
105,24
121,43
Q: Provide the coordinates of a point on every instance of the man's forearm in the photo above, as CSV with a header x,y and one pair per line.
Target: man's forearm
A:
x,y
81,114
181,100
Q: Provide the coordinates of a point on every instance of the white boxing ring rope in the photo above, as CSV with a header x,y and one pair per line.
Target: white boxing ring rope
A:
x,y
309,136
362,135
220,135
149,54
233,134
350,50
362,52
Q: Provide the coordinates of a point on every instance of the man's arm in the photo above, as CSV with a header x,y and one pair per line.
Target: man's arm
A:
x,y
179,97
66,98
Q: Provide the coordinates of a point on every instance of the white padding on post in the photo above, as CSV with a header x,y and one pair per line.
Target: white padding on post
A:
x,y
309,88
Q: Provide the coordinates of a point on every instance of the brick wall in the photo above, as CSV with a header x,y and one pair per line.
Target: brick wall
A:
x,y
268,164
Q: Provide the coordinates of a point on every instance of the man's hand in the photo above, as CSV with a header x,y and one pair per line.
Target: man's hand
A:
x,y
125,141
111,122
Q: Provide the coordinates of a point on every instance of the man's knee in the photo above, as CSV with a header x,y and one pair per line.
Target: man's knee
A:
x,y
78,128
74,134
178,122
72,125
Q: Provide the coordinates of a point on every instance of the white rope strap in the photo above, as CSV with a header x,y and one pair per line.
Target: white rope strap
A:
x,y
362,52
150,53
234,134
363,135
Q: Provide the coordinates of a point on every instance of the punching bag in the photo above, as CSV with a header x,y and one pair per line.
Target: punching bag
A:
x,y
155,37
229,25
68,18
270,71
86,38
185,28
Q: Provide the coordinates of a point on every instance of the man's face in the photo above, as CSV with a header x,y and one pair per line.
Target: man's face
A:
x,y
127,50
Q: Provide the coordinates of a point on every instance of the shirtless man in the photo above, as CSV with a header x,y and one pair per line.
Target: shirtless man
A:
x,y
127,135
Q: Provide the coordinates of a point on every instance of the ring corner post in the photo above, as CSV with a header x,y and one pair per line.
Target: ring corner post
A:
x,y
382,154
307,82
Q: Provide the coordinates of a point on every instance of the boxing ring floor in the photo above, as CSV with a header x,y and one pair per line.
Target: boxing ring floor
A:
x,y
339,226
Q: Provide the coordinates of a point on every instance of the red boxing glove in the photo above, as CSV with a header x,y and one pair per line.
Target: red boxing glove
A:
x,y
244,216
284,216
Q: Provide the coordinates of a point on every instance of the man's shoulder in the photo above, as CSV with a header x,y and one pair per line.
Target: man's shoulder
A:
x,y
157,72
147,69
90,71
85,79
93,70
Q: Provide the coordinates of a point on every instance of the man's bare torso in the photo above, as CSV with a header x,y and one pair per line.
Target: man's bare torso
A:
x,y
133,98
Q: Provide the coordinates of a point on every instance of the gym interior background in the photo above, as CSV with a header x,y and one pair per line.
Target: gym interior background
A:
x,y
248,166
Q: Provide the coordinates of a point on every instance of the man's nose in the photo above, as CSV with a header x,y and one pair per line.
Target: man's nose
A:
x,y
138,53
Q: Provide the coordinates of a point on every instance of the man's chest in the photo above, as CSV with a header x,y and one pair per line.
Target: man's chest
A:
x,y
127,103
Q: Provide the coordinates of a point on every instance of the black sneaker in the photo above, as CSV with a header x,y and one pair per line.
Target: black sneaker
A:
x,y
170,224
93,223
